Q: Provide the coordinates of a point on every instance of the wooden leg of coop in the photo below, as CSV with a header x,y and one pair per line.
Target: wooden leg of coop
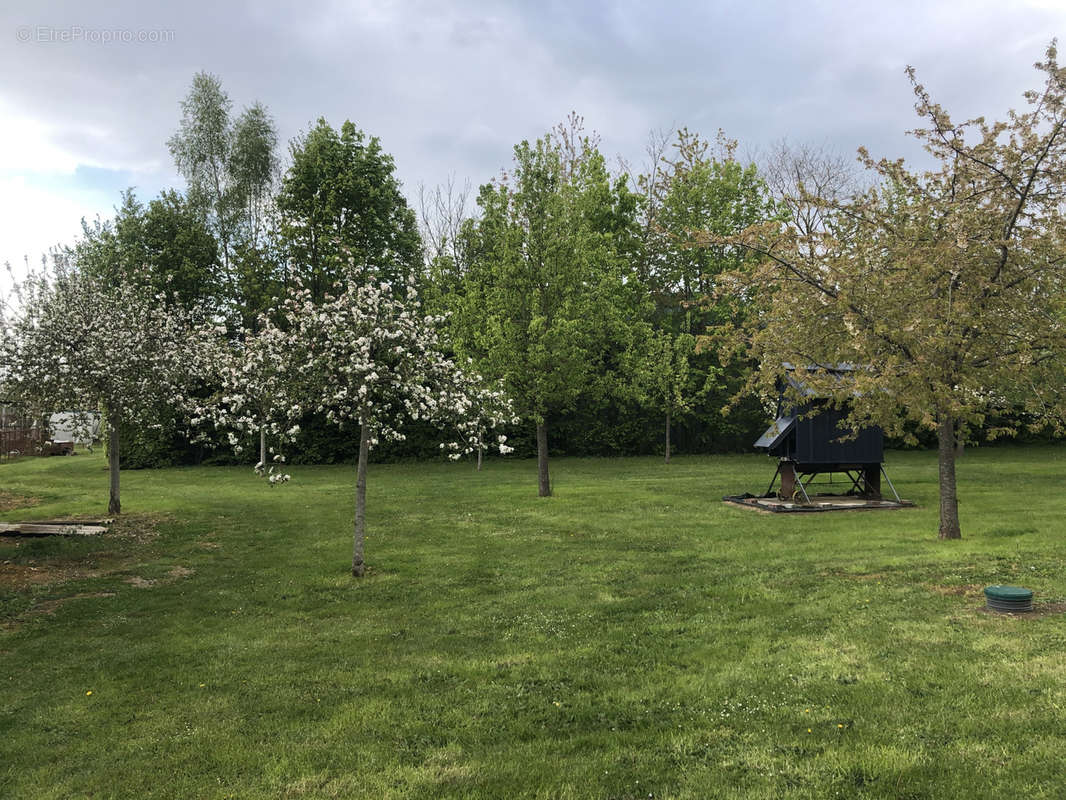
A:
x,y
871,478
788,480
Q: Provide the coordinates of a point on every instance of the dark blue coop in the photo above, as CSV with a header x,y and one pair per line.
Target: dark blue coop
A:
x,y
809,439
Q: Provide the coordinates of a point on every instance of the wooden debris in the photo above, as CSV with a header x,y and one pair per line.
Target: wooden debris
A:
x,y
51,529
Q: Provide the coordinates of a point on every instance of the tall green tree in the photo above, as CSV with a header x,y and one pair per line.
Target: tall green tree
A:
x,y
547,301
664,378
230,165
164,247
688,190
944,286
693,191
341,210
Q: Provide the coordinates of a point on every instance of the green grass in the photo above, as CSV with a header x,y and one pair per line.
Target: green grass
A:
x,y
631,636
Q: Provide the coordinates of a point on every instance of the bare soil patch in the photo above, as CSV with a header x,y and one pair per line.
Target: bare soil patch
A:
x,y
9,501
20,577
964,590
174,575
140,527
51,606
128,529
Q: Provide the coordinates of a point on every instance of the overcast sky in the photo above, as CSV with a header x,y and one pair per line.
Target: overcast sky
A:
x,y
89,95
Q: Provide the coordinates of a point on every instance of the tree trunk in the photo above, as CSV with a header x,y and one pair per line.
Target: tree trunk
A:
x,y
544,483
479,449
114,505
358,567
263,448
949,503
667,436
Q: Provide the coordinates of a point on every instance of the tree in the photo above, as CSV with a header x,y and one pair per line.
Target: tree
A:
x,y
340,194
688,190
546,306
444,223
179,253
488,408
230,166
256,392
72,342
795,173
944,288
369,359
689,194
664,378
164,247
253,170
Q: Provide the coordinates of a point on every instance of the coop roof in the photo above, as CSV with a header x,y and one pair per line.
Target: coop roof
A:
x,y
802,389
779,430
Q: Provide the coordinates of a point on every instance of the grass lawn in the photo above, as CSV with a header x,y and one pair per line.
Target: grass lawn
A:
x,y
631,637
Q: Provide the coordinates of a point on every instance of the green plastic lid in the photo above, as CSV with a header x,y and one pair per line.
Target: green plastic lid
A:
x,y
1008,593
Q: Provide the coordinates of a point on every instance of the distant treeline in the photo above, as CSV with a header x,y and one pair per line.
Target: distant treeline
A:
x,y
591,291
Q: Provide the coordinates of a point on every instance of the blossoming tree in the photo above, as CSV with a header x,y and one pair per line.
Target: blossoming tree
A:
x,y
946,285
368,359
255,390
482,409
73,343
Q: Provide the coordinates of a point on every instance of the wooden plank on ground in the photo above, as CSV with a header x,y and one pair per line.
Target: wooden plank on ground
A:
x,y
53,529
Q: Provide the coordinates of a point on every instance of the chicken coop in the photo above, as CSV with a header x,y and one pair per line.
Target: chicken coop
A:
x,y
822,464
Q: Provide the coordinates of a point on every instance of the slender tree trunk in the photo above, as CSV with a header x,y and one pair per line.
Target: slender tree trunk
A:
x,y
949,502
358,567
263,447
544,482
114,505
668,436
479,449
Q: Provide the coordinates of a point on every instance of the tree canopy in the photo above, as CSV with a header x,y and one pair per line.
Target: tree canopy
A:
x,y
75,343
342,210
944,287
548,299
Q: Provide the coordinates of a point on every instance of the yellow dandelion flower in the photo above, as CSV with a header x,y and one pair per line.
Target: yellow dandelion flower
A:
x,y
88,693
840,725
808,730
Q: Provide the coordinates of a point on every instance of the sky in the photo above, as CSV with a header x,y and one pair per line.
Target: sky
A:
x,y
89,95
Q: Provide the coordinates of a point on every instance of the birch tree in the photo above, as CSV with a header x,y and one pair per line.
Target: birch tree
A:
x,y
231,167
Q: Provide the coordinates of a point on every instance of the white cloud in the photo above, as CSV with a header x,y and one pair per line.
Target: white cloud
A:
x,y
27,144
34,219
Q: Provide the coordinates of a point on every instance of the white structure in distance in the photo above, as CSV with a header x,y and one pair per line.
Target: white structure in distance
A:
x,y
75,427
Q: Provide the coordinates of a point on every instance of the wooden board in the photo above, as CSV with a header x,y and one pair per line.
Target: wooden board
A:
x,y
49,529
